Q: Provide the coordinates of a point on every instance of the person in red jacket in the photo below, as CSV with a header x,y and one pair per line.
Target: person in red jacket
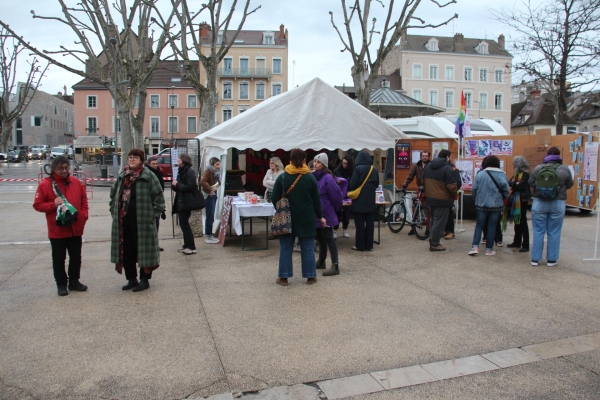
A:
x,y
63,238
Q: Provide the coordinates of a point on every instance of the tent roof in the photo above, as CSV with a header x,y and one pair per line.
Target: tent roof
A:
x,y
313,116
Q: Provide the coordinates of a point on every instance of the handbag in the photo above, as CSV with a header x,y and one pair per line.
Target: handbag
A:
x,y
356,192
194,201
282,219
504,199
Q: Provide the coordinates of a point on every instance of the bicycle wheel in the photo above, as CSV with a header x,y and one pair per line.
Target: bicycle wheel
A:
x,y
422,219
396,217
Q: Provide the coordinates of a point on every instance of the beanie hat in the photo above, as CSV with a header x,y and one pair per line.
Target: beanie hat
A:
x,y
322,158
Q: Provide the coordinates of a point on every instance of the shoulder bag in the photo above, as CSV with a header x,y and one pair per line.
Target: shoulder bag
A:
x,y
356,192
193,201
282,220
504,199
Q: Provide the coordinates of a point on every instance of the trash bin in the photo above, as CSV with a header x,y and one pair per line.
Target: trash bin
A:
x,y
104,171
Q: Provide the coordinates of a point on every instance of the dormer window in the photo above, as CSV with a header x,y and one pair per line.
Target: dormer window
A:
x,y
482,48
268,38
432,45
220,38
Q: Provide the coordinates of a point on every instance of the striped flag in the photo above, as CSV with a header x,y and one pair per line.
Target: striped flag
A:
x,y
463,126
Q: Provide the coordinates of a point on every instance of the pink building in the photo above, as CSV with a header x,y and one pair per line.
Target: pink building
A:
x,y
172,109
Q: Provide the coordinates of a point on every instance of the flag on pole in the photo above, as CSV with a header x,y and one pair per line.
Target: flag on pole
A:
x,y
463,126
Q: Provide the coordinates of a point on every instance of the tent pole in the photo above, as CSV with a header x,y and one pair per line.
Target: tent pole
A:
x,y
597,218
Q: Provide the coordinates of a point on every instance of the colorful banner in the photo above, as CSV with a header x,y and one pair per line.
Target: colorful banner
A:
x,y
402,155
590,162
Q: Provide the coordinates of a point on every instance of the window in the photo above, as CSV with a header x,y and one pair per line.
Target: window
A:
x,y
469,100
226,115
36,121
261,68
483,48
227,66
260,91
449,73
417,94
498,102
468,74
173,101
243,66
117,123
416,71
277,65
154,101
276,89
55,109
219,38
66,114
92,125
244,91
498,74
449,99
433,97
432,45
191,125
173,125
154,127
483,75
227,94
483,101
192,100
268,39
433,72
92,102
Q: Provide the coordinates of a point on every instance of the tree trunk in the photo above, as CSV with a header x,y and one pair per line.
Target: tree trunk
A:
x,y
126,140
6,133
207,113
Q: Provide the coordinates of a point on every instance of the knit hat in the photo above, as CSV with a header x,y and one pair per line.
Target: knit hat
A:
x,y
322,158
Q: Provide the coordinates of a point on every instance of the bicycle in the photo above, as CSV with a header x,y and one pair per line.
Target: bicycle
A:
x,y
419,218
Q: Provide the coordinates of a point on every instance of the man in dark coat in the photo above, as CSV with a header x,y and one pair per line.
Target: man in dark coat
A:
x,y
364,206
441,188
153,167
417,172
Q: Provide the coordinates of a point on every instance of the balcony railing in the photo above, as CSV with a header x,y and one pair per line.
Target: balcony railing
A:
x,y
244,72
92,131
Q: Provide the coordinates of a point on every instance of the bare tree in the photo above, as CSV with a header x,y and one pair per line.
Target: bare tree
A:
x,y
122,61
187,46
557,43
10,55
365,68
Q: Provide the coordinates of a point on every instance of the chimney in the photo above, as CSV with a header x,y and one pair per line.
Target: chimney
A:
x,y
501,42
282,32
204,29
385,83
458,43
59,95
535,93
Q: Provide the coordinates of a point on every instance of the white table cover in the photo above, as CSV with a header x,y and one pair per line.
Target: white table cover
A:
x,y
239,208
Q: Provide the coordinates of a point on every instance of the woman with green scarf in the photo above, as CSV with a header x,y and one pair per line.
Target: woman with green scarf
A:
x,y
517,203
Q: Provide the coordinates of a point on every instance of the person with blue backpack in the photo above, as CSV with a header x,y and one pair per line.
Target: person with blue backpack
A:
x,y
550,182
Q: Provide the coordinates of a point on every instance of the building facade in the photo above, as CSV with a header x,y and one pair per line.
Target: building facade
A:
x,y
172,109
47,120
436,70
254,69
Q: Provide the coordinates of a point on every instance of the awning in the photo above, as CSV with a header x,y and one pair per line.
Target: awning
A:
x,y
88,141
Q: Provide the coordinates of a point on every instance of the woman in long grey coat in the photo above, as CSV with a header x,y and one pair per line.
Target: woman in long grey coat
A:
x,y
136,200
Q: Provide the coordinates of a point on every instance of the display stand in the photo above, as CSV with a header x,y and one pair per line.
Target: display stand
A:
x,y
597,209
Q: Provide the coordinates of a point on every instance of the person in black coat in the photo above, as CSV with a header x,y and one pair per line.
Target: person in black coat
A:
x,y
519,183
449,230
364,206
153,167
185,185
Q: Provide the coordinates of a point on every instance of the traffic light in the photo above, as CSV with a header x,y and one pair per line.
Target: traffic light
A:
x,y
112,142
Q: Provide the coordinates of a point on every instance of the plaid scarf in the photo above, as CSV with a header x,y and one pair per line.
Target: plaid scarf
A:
x,y
515,211
131,175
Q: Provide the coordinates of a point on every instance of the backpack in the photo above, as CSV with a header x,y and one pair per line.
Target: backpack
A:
x,y
546,182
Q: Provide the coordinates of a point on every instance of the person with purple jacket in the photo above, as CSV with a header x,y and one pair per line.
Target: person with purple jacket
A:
x,y
331,202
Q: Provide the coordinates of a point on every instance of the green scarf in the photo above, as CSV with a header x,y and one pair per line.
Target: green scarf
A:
x,y
515,211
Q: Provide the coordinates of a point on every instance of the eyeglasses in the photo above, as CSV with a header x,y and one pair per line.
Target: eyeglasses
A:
x,y
65,168
133,158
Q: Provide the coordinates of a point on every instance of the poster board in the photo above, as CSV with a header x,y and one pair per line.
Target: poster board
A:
x,y
579,153
416,146
225,216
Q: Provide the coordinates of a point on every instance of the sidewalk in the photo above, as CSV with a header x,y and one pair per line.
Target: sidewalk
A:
x,y
215,323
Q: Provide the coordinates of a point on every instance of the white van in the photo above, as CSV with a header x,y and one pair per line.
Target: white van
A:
x,y
58,151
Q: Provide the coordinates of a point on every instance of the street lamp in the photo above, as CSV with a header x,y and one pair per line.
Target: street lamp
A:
x,y
171,100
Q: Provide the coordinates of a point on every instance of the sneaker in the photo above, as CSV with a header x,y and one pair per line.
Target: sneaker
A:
x,y
182,250
161,249
297,248
523,250
551,263
335,234
474,251
499,244
412,232
439,247
211,240
483,241
535,263
187,252
490,253
281,281
346,235
449,236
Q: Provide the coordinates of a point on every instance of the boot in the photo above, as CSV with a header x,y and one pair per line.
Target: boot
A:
x,y
62,289
143,285
334,270
130,284
321,264
74,284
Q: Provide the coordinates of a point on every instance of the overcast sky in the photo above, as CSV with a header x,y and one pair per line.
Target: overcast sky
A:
x,y
313,43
